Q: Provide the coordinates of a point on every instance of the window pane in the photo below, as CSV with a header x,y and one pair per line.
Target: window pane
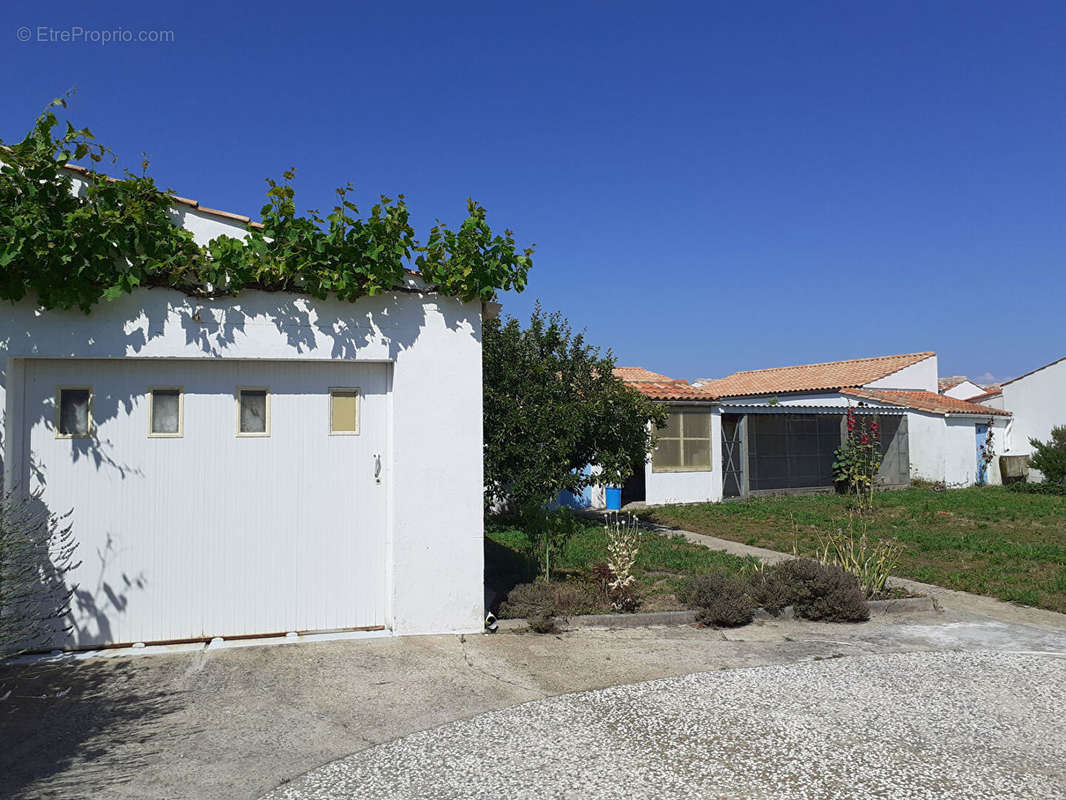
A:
x,y
698,453
667,453
253,411
74,412
698,423
165,406
673,424
344,411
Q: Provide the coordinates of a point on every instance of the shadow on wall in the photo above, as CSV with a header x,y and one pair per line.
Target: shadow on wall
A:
x,y
70,730
162,323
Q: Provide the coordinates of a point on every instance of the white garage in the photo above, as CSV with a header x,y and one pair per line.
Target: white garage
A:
x,y
256,465
236,495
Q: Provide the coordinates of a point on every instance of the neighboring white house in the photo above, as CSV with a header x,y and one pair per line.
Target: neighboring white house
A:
x,y
254,465
1037,401
789,443
682,468
960,387
775,430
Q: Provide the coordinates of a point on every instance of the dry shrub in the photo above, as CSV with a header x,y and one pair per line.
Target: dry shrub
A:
x,y
720,599
815,591
542,603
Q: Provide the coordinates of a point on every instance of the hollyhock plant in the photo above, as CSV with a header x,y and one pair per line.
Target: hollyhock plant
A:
x,y
859,458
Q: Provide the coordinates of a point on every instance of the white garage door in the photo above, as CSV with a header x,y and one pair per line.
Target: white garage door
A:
x,y
252,501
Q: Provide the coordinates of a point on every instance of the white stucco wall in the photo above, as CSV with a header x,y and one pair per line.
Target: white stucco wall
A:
x,y
964,390
688,487
1038,402
945,448
916,377
434,464
995,401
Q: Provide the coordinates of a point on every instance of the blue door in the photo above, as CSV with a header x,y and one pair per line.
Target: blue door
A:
x,y
982,437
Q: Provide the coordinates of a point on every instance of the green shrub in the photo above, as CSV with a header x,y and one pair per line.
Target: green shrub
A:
x,y
541,603
815,591
1050,456
1039,488
720,599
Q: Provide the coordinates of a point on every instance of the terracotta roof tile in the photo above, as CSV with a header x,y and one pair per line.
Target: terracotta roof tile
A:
x,y
996,391
923,401
659,387
809,377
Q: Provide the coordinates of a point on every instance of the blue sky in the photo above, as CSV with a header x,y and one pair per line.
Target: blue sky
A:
x,y
711,186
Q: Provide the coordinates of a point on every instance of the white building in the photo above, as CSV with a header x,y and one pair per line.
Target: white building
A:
x,y
1037,401
775,430
254,465
960,387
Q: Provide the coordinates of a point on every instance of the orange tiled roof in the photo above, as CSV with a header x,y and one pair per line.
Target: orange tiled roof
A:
x,y
995,390
809,377
923,401
659,387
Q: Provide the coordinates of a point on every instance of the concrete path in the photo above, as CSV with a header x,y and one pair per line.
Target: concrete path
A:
x,y
973,726
238,723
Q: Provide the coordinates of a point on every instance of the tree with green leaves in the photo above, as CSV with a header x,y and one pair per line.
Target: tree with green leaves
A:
x,y
553,406
1050,457
72,249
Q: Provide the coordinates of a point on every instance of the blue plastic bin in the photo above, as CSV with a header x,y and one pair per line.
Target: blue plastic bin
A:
x,y
614,498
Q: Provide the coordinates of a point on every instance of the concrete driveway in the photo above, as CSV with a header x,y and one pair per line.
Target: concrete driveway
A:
x,y
973,726
239,723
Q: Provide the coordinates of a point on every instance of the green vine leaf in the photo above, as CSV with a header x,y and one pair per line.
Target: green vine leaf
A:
x,y
74,250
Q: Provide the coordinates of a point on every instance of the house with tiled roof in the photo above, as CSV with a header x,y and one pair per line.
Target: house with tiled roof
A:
x,y
776,430
681,470
786,423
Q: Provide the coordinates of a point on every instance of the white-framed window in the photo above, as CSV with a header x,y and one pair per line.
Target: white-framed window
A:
x,y
343,411
74,412
253,411
684,443
166,412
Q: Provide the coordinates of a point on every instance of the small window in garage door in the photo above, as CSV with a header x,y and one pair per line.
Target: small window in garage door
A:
x,y
253,411
74,412
344,412
165,407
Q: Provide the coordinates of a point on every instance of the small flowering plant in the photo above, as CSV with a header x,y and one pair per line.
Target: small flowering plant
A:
x,y
859,458
623,545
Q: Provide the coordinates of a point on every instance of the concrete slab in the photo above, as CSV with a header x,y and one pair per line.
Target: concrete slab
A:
x,y
237,723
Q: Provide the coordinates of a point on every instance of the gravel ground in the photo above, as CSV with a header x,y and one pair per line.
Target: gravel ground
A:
x,y
903,726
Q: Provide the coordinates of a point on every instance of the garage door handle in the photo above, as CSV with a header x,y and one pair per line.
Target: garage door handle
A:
x,y
377,467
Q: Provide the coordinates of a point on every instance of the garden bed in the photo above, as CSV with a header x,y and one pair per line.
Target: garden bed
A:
x,y
664,563
669,574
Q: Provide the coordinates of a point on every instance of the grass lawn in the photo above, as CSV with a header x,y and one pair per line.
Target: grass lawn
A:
x,y
663,563
986,540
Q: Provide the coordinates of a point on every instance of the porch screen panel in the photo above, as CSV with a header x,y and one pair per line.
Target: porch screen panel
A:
x,y
792,451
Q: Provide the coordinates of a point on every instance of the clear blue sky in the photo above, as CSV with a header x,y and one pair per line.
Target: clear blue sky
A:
x,y
711,186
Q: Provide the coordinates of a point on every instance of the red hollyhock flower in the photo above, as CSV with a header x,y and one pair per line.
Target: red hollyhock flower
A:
x,y
865,439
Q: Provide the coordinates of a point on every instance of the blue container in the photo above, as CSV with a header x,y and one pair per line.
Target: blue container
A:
x,y
614,498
